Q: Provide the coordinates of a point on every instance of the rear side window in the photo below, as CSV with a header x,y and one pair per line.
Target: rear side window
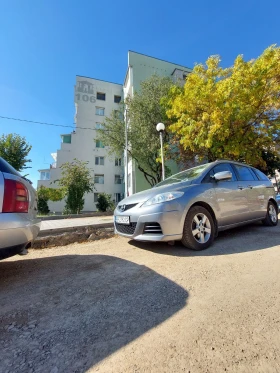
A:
x,y
7,168
219,168
245,173
260,175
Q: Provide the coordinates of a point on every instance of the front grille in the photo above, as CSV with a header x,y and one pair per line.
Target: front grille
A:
x,y
126,229
123,208
152,228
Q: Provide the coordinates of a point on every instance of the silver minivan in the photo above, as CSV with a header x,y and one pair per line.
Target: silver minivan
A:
x,y
194,205
19,225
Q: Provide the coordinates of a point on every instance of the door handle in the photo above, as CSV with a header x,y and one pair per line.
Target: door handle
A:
x,y
250,186
240,187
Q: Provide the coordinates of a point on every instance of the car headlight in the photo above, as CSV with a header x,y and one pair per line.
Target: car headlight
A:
x,y
162,197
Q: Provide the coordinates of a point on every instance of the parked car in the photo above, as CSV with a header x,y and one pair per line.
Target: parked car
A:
x,y
278,200
196,204
18,208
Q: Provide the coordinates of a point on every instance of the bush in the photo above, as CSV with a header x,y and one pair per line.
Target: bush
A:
x,y
104,202
43,207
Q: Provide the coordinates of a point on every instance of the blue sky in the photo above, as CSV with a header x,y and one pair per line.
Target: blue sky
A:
x,y
45,44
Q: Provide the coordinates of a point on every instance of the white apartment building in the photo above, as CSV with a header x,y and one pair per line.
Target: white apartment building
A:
x,y
94,100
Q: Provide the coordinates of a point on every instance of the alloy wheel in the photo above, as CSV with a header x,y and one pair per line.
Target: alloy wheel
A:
x,y
201,228
272,213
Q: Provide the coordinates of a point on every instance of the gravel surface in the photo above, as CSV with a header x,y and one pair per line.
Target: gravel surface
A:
x,y
120,306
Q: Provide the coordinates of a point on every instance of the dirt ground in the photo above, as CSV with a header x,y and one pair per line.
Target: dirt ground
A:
x,y
120,306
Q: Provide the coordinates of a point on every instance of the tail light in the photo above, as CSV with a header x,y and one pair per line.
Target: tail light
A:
x,y
15,197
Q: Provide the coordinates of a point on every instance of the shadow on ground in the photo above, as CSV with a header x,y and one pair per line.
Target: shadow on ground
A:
x,y
67,313
239,240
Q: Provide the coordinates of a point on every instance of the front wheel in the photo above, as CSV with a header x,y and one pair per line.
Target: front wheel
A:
x,y
271,218
199,229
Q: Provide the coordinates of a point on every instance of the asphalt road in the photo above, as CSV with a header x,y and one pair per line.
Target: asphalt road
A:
x,y
120,306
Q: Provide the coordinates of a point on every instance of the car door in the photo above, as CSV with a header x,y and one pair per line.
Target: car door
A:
x,y
255,189
230,198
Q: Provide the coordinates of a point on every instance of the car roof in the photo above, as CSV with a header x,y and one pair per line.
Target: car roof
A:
x,y
7,168
231,161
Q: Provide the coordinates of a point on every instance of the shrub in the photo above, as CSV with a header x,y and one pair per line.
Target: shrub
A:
x,y
43,207
104,202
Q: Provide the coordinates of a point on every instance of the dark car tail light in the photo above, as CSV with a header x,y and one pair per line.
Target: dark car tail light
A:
x,y
15,197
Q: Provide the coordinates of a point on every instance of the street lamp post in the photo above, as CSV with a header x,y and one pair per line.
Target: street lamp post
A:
x,y
126,156
160,129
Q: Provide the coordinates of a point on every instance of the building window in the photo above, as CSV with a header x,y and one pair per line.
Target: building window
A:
x,y
99,161
95,197
99,144
118,179
117,99
99,179
66,139
185,76
118,161
100,96
118,197
99,110
45,175
99,126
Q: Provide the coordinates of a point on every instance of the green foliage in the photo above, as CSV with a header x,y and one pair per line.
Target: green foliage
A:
x,y
14,149
143,112
74,199
231,113
43,207
104,202
53,194
75,181
46,194
272,162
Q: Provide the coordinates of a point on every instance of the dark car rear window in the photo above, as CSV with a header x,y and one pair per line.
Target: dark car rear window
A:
x,y
260,175
6,167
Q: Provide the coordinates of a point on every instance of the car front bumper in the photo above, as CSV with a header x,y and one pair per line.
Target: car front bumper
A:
x,y
159,226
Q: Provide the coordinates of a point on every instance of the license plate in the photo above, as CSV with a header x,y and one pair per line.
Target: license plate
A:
x,y
122,219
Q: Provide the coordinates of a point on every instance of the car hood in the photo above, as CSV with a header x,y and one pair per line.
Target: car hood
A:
x,y
147,194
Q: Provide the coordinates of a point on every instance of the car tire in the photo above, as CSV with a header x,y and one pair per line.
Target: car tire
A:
x,y
199,229
271,218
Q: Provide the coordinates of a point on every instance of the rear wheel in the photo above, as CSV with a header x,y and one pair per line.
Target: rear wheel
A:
x,y
199,229
271,218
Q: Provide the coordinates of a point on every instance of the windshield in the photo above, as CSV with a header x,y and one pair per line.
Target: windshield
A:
x,y
187,175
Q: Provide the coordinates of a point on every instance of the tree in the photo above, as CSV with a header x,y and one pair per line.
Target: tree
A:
x,y
76,181
14,149
231,113
43,207
104,202
45,194
272,163
143,111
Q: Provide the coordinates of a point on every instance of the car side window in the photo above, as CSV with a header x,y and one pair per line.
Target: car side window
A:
x,y
245,173
219,168
260,175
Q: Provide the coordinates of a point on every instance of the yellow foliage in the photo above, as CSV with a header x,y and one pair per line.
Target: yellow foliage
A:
x,y
231,113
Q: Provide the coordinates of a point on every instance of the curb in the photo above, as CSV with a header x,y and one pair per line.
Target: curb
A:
x,y
62,237
58,231
75,216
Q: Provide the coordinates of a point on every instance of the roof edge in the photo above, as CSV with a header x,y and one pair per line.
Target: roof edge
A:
x,y
160,59
101,80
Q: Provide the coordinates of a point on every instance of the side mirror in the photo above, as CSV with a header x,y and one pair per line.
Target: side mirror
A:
x,y
224,175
